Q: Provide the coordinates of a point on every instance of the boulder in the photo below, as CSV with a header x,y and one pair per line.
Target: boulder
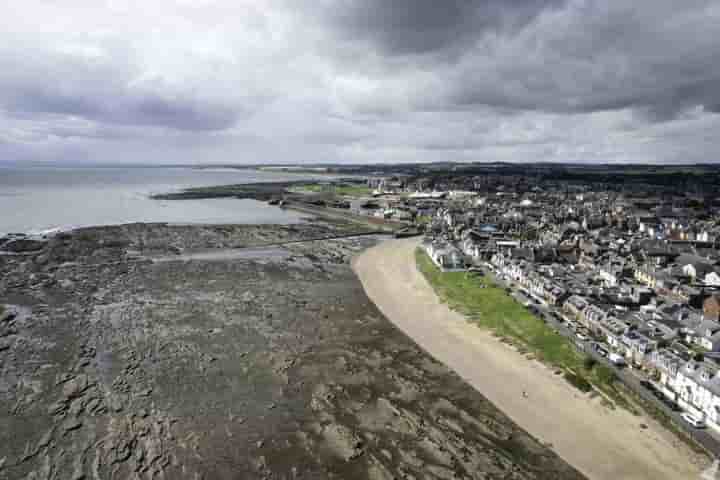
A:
x,y
76,387
6,314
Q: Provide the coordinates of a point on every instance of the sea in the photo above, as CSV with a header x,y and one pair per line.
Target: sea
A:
x,y
37,200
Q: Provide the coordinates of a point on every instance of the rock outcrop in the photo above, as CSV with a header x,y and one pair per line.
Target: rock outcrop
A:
x,y
123,355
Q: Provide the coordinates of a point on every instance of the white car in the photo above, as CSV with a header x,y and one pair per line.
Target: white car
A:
x,y
582,337
693,420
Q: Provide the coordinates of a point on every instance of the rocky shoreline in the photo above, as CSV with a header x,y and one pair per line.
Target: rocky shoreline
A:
x,y
161,351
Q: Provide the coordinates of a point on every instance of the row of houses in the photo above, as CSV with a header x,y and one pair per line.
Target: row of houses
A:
x,y
444,254
694,385
640,275
641,333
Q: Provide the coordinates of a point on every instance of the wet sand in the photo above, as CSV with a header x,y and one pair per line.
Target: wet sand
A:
x,y
599,442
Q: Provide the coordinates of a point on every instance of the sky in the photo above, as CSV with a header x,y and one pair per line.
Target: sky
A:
x,y
359,81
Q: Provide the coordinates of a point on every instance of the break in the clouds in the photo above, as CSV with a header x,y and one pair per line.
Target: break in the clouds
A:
x,y
297,81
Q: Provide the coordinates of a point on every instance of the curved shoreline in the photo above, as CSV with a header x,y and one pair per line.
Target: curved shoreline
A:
x,y
601,443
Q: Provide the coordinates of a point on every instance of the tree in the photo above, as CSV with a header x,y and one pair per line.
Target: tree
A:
x,y
589,363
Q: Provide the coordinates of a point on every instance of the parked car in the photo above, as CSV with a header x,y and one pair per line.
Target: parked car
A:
x,y
693,420
602,352
617,359
582,337
647,385
671,405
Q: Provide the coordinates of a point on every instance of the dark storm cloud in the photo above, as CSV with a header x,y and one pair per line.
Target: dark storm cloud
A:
x,y
659,58
402,27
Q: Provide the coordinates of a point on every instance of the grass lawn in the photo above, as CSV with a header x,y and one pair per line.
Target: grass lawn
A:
x,y
353,190
310,188
423,220
345,190
697,349
490,307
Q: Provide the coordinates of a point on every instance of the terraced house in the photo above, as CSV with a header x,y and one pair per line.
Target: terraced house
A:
x,y
445,255
694,385
575,305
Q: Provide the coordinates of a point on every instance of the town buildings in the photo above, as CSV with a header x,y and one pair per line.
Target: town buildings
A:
x,y
637,272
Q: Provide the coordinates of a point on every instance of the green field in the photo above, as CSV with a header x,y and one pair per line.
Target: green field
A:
x,y
490,307
344,190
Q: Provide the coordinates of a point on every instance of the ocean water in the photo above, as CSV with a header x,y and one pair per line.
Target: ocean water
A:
x,y
38,199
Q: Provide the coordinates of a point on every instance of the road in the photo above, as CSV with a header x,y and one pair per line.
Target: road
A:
x,y
708,438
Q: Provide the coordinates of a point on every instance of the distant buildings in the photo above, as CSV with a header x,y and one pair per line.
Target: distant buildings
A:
x,y
639,272
445,255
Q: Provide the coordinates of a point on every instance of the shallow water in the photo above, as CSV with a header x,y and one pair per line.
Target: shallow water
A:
x,y
38,199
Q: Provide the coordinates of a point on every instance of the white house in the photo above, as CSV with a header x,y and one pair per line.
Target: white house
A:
x,y
444,255
712,279
698,389
706,334
694,385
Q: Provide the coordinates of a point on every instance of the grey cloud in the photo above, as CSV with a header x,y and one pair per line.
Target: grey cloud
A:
x,y
126,108
659,58
402,27
363,80
183,114
102,90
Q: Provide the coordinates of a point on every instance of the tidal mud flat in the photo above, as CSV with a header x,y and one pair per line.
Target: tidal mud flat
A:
x,y
160,351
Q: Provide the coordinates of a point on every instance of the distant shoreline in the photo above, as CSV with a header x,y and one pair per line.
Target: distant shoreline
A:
x,y
39,201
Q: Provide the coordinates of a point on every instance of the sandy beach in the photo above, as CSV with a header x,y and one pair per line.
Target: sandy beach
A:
x,y
599,442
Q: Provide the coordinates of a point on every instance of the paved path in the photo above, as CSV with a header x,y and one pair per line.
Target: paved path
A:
x,y
602,444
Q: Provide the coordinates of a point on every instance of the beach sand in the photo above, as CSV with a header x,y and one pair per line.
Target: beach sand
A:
x,y
599,442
